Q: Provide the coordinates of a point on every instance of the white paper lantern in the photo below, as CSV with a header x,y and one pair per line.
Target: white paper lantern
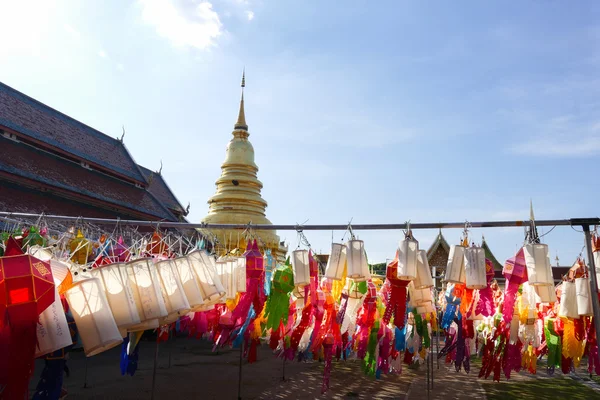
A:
x,y
147,294
475,271
539,271
93,317
584,300
424,279
210,285
53,329
240,274
407,259
419,296
514,329
301,267
455,270
336,262
117,288
358,268
226,269
172,290
189,282
568,301
425,308
545,294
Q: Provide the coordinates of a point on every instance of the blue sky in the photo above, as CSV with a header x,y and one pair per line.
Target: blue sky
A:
x,y
378,111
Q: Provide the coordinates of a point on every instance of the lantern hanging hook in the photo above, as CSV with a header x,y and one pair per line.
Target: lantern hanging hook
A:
x,y
408,232
466,229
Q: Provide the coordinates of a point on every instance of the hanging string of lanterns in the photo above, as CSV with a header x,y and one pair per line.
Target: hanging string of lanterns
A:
x,y
115,292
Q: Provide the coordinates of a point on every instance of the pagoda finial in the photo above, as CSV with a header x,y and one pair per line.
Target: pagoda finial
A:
x,y
531,216
241,121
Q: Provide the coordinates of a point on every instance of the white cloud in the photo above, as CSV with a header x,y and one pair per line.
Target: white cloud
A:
x,y
198,27
250,15
120,67
102,53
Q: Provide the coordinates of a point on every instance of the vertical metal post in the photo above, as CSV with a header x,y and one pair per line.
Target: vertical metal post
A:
x,y
427,361
240,372
154,370
437,345
431,359
85,376
283,374
593,280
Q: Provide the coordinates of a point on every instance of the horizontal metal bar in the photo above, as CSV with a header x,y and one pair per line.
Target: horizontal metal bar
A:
x,y
424,225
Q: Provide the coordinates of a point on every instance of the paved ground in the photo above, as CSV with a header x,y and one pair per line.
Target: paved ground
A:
x,y
188,368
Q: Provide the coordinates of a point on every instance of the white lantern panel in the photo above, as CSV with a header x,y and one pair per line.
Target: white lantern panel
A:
x,y
240,274
189,282
455,270
172,290
545,294
539,271
424,279
358,268
301,267
93,317
205,268
117,288
336,262
568,301
475,274
597,266
407,259
145,286
53,329
584,300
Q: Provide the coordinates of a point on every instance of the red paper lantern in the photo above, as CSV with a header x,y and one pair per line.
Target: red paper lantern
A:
x,y
26,290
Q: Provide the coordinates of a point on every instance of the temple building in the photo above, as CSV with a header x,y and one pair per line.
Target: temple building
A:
x,y
238,197
51,163
438,253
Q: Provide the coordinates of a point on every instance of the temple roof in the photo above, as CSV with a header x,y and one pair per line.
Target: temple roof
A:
x,y
490,256
45,125
69,179
437,255
159,188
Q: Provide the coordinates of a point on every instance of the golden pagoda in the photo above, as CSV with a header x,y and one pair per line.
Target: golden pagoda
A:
x,y
238,199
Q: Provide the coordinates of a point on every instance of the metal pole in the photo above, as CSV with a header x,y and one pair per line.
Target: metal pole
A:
x,y
298,227
240,372
283,376
85,376
593,280
154,370
437,346
427,361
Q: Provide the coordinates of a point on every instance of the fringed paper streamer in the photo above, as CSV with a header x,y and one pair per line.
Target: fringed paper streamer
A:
x,y
396,303
299,331
278,303
553,342
529,360
328,344
571,347
452,304
400,339
370,358
385,350
366,319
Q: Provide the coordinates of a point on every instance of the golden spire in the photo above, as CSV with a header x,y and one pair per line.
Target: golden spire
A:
x,y
241,121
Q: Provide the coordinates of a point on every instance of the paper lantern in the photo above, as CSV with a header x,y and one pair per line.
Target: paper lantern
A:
x,y
147,294
419,296
597,266
53,329
424,279
93,317
425,308
407,259
189,282
568,301
336,262
172,290
514,329
584,300
81,248
240,274
539,271
475,272
358,268
301,267
545,294
205,267
117,288
61,270
157,245
455,270
226,270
